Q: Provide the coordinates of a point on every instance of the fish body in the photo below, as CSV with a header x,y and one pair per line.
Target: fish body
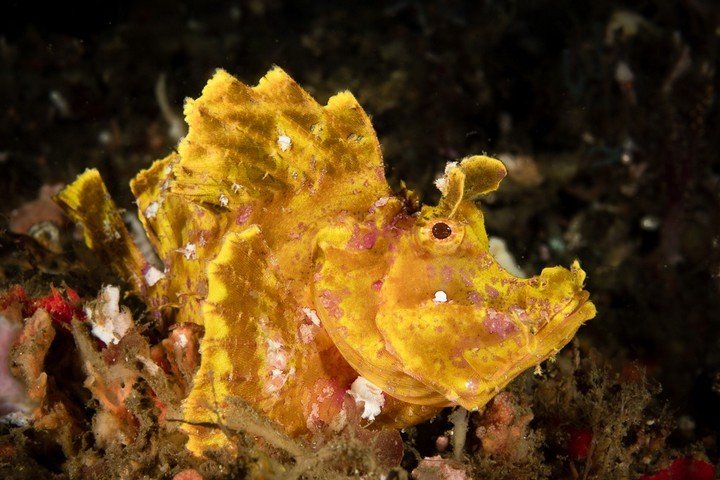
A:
x,y
280,235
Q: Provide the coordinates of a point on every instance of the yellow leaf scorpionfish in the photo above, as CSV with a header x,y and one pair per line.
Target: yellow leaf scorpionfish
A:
x,y
279,234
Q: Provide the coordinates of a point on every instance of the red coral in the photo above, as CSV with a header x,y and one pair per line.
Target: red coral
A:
x,y
685,468
579,440
62,308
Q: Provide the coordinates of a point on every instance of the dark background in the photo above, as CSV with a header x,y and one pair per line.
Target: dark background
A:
x,y
629,167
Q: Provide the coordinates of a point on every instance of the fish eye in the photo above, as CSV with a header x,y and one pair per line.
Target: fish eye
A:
x,y
441,230
440,236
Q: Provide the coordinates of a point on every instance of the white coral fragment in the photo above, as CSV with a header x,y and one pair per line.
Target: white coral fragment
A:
x,y
153,275
371,395
109,322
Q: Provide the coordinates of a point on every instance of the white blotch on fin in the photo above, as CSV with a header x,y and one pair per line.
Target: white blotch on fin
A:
x,y
440,297
284,142
153,275
312,315
152,210
189,251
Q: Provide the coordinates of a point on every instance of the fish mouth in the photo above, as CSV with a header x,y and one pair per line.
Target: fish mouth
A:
x,y
468,352
501,363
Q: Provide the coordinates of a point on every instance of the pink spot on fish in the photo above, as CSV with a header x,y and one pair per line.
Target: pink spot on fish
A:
x,y
466,277
300,229
447,274
380,202
243,214
491,292
377,285
331,303
380,173
498,323
484,261
362,240
521,314
307,332
475,298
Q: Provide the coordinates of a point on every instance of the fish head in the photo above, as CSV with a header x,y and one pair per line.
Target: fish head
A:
x,y
427,301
